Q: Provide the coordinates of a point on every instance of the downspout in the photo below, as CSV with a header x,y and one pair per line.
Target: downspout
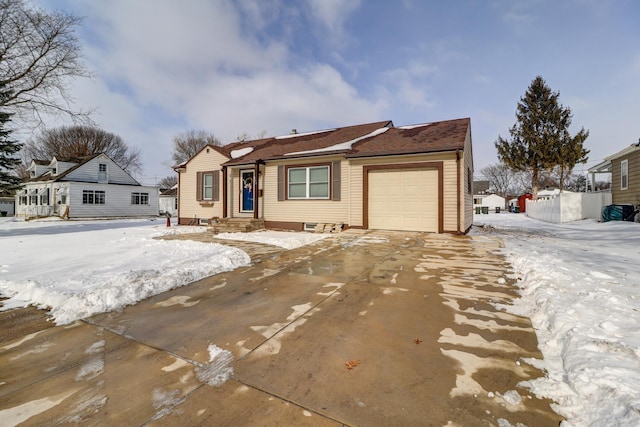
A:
x,y
460,189
224,191
177,196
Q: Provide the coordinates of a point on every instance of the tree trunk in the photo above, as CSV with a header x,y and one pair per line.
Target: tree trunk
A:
x,y
534,184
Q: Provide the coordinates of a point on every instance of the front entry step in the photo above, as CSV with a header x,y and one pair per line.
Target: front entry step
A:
x,y
236,225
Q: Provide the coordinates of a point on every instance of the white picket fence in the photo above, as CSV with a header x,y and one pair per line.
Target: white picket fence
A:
x,y
566,207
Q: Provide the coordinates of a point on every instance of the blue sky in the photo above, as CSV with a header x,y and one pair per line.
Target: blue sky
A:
x,y
258,66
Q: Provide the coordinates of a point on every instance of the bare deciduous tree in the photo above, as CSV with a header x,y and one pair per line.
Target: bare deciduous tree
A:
x,y
80,141
500,179
168,182
39,55
188,144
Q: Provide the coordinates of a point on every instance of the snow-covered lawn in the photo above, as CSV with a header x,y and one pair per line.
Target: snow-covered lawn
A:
x,y
580,286
80,268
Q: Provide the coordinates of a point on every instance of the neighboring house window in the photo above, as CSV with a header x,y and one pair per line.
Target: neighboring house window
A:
x,y
33,197
308,183
102,172
23,200
208,186
139,198
624,174
44,196
91,197
477,201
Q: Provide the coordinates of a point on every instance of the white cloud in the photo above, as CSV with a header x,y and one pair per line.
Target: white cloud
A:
x,y
206,65
333,13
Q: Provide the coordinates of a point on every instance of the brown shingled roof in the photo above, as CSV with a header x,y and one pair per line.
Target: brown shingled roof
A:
x,y
428,138
280,147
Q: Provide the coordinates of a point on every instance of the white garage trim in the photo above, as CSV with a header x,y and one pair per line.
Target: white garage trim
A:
x,y
403,213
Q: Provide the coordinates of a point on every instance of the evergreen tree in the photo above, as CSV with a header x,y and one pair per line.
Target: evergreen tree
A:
x,y
540,139
9,181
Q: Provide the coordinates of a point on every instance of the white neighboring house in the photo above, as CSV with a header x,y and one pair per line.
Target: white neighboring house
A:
x,y
491,201
89,187
168,202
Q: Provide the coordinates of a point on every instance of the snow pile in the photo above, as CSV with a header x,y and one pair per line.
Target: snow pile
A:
x,y
343,145
284,239
80,268
241,152
579,285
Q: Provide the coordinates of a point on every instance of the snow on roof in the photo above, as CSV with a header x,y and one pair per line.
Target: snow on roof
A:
x,y
240,152
294,135
414,126
341,146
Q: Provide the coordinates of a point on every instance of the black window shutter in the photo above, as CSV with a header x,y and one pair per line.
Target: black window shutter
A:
x,y
336,172
281,189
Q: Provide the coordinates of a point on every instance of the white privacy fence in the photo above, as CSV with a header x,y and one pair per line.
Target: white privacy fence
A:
x,y
566,207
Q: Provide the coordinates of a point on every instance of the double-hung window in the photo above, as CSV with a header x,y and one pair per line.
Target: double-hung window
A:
x,y
310,182
91,197
207,186
139,198
624,174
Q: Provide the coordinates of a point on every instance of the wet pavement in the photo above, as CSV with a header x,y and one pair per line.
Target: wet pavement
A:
x,y
362,328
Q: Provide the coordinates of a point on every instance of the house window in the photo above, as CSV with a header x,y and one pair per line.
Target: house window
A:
x,y
139,198
33,197
308,183
624,174
91,197
44,196
102,172
207,186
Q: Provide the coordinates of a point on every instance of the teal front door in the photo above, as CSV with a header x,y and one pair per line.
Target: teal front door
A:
x,y
246,181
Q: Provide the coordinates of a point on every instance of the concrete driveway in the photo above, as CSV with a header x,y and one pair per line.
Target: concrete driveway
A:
x,y
362,328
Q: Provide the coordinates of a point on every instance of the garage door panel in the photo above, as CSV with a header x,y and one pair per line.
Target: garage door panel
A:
x,y
403,199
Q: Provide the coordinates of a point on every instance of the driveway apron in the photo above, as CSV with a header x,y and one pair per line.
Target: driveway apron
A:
x,y
362,328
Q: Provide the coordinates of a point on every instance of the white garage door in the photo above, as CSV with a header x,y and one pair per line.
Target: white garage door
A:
x,y
403,200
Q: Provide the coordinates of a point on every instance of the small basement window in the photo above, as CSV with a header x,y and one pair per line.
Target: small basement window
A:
x,y
309,226
203,221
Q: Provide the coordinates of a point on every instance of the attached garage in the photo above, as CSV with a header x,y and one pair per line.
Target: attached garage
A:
x,y
404,197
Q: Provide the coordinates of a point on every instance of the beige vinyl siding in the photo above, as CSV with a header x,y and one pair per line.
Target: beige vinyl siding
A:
x,y
189,207
312,211
632,194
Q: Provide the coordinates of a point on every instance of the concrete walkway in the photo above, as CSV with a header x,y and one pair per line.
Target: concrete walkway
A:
x,y
362,328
